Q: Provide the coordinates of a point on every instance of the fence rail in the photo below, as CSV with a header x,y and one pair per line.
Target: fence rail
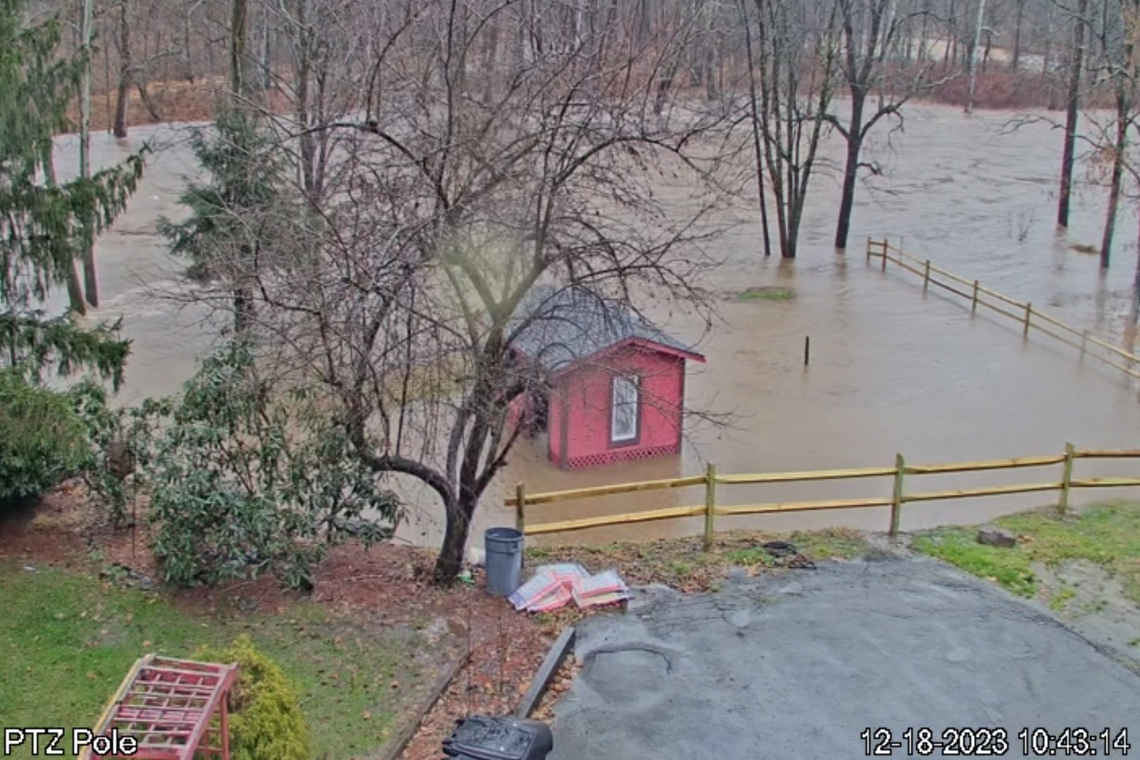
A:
x,y
1025,313
899,497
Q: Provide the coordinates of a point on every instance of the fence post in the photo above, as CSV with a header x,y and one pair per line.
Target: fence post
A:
x,y
974,306
896,502
868,249
1028,314
926,276
710,504
520,508
886,249
1066,478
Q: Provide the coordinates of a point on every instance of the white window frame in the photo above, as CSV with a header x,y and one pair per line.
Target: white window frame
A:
x,y
625,382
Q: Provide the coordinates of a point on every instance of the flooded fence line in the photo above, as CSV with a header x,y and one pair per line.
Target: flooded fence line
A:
x,y
1025,314
898,473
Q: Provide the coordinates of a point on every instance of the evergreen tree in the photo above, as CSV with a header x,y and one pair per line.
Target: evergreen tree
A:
x,y
45,225
234,213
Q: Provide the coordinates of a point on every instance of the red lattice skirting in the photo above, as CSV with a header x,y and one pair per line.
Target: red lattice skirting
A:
x,y
614,456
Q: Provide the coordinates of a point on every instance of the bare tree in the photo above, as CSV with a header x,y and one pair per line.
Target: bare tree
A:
x,y
870,40
126,69
1072,104
793,69
1119,65
972,75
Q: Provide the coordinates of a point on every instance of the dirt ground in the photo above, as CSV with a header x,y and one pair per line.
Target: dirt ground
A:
x,y
1092,602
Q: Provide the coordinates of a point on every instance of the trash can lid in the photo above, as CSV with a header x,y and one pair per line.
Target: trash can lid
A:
x,y
503,534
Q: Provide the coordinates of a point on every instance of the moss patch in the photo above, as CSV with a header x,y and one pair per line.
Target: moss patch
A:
x,y
67,640
1107,535
766,293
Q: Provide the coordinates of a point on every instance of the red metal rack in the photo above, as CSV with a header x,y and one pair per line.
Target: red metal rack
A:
x,y
175,709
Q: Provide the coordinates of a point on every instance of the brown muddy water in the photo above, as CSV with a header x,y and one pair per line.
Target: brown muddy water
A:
x,y
892,369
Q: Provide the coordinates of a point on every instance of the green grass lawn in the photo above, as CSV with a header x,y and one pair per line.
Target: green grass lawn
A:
x,y
67,640
1107,535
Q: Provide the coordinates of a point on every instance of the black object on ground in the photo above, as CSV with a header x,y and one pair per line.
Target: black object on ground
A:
x,y
485,738
780,548
992,536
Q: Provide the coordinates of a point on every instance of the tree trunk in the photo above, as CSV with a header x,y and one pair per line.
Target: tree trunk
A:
x,y
144,96
972,80
1019,15
90,280
302,71
239,33
243,310
1071,115
266,71
1117,177
75,291
755,116
951,52
458,525
126,72
851,169
490,61
921,56
1136,280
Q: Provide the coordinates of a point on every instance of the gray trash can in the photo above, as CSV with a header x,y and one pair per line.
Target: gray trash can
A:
x,y
504,560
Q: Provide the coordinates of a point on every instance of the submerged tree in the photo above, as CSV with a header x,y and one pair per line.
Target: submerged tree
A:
x,y
872,36
1072,111
791,74
45,226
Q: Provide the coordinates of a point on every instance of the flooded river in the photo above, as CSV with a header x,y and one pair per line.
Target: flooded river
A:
x,y
892,369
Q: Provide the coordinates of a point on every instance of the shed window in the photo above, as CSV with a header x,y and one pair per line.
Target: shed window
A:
x,y
623,417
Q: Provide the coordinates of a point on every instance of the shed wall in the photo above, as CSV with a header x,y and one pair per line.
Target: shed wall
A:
x,y
583,397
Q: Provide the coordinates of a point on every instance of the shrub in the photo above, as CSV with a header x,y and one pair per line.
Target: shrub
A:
x,y
42,439
266,722
243,480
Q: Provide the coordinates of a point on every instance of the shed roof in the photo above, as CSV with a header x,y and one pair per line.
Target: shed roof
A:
x,y
568,325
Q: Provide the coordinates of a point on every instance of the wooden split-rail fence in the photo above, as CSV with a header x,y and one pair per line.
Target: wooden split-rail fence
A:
x,y
897,474
1022,312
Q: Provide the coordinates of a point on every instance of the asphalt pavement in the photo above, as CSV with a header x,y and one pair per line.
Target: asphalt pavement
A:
x,y
799,665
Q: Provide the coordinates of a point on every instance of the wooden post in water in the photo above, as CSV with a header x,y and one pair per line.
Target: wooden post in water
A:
x,y
710,505
896,503
1066,478
926,276
807,349
886,247
974,306
1028,314
520,508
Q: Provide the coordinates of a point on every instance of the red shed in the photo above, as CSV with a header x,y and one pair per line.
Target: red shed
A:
x,y
615,383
